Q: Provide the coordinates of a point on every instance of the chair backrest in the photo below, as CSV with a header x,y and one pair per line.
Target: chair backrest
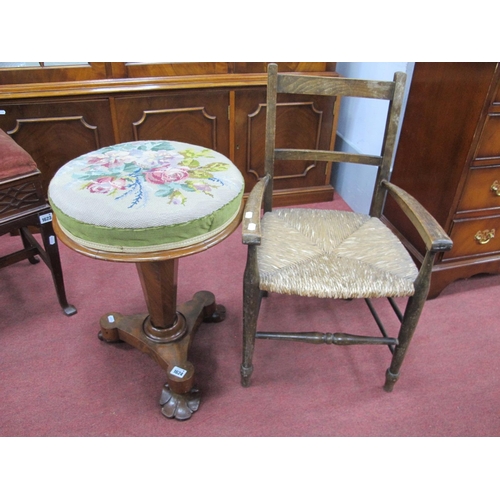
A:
x,y
285,83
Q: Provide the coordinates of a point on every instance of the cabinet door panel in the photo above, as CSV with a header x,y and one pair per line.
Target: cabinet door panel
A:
x,y
302,122
193,117
55,132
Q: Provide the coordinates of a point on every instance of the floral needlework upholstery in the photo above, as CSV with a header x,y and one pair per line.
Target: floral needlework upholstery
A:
x,y
146,196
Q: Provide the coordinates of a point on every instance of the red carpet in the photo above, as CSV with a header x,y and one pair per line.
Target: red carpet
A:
x,y
58,379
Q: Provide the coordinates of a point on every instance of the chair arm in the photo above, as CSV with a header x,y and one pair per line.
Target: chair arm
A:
x,y
251,215
433,235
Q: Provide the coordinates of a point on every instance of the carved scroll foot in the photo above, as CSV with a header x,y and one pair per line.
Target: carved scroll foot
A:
x,y
179,406
109,331
100,336
217,316
168,347
212,312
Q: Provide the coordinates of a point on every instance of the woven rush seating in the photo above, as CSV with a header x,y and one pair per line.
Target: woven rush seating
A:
x,y
332,254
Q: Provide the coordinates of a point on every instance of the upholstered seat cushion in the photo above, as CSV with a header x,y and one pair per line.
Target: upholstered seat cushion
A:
x,y
146,196
354,254
14,160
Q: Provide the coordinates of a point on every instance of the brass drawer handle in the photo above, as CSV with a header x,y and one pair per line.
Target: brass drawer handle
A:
x,y
483,237
495,187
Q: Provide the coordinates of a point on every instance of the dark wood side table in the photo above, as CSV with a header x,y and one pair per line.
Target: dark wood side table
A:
x,y
166,331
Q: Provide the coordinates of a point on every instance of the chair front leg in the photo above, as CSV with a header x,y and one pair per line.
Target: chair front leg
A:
x,y
410,320
53,261
251,305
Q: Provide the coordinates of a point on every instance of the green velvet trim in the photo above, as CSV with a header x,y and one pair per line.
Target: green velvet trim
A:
x,y
142,237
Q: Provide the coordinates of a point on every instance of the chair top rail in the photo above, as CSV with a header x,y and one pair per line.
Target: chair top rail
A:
x,y
319,155
335,86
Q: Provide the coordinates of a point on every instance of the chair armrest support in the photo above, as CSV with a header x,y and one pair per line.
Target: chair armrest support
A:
x,y
251,215
433,235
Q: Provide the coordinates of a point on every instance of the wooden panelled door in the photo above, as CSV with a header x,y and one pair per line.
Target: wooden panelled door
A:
x,y
56,131
302,122
186,116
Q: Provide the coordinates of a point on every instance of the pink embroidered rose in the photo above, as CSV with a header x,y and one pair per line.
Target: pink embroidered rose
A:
x,y
113,159
104,161
166,174
105,185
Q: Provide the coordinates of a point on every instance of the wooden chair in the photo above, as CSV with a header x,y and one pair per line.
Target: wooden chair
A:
x,y
335,254
23,206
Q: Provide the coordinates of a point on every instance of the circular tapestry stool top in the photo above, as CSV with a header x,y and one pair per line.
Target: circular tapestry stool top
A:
x,y
146,196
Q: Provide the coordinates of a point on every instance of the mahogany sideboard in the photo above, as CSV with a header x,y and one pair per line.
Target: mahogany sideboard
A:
x,y
449,159
60,113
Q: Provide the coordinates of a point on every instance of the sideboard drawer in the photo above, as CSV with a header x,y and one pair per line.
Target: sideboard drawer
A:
x,y
474,237
482,189
489,145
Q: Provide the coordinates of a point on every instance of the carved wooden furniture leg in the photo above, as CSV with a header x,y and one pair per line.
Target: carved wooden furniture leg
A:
x,y
166,333
412,314
51,258
251,305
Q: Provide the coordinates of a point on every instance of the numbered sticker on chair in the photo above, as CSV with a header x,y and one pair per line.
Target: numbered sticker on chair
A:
x,y
52,240
45,218
178,372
